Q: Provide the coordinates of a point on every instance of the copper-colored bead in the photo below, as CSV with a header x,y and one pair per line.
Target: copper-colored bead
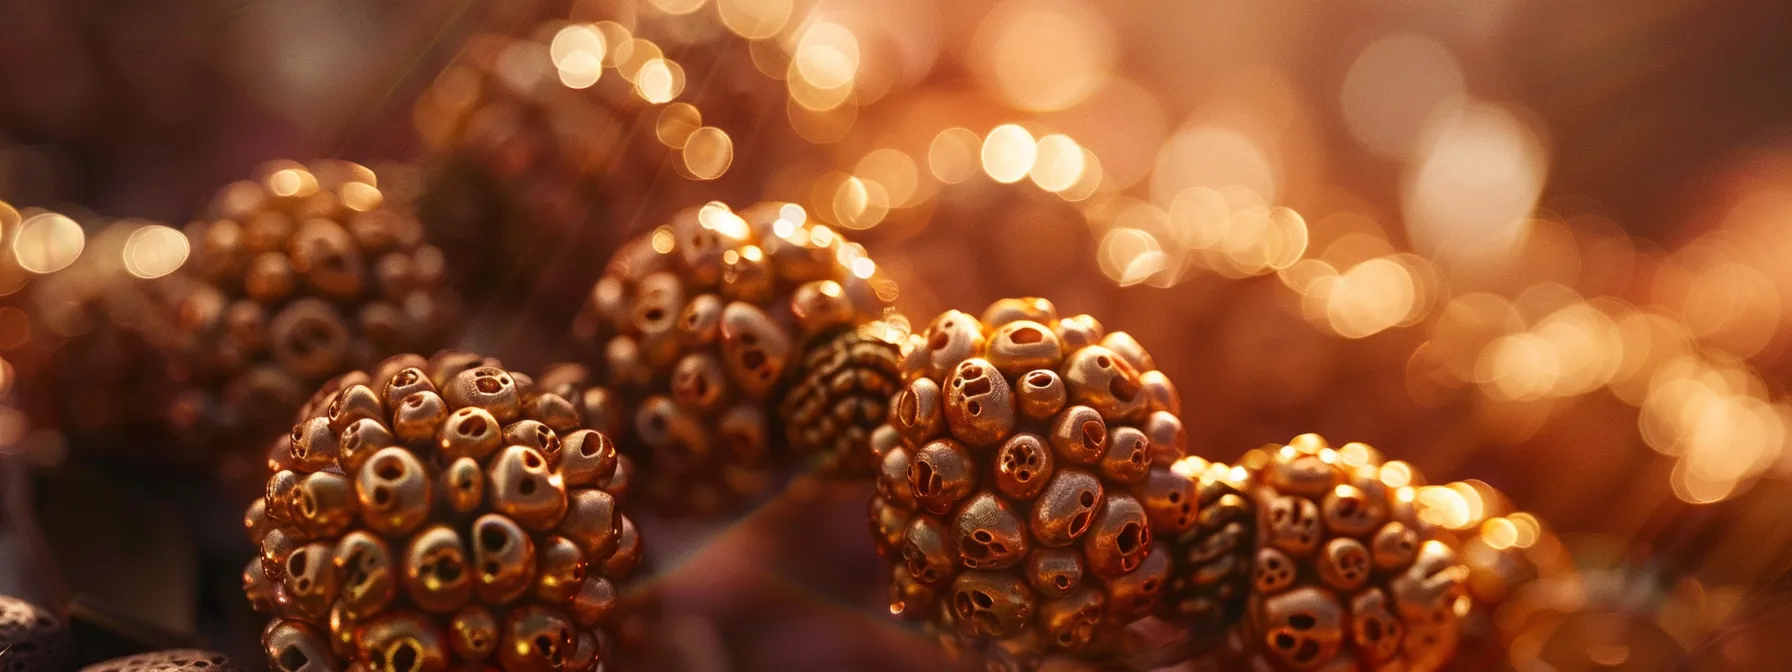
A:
x,y
1033,309
489,388
561,569
926,550
353,403
700,323
309,584
821,305
463,485
1078,331
309,338
1054,572
259,588
699,382
419,416
1169,441
1079,435
1347,510
1135,594
1120,538
1275,571
368,573
1067,508
1023,466
1303,628
1373,627
892,479
275,546
361,440
403,641
591,521
629,550
536,638
1070,621
1128,457
952,338
980,407
889,524
1394,546
323,504
1041,394
988,534
404,383
328,259
522,487
919,411
503,559
991,604
1293,525
1171,501
1102,380
587,458
473,633
469,432
594,602
394,491
1344,564
555,411
172,660
256,521
941,474
437,574
1020,346
313,445
269,277
292,646
754,350
532,434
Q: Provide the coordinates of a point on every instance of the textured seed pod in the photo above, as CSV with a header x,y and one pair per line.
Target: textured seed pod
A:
x,y
453,545
718,329
1023,505
1212,582
1350,571
32,638
305,273
174,660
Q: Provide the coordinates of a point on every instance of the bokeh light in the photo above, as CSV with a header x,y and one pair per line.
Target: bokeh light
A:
x,y
1474,184
154,251
1044,55
1394,87
708,152
48,242
1008,153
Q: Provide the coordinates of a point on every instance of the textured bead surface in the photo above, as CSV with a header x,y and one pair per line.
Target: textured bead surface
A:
x,y
488,538
173,660
720,328
1349,570
302,274
1023,507
1212,581
31,638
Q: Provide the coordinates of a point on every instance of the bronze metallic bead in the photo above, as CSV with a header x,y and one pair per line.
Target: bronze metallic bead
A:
x,y
619,483
700,323
587,458
532,434
503,559
327,257
743,435
561,569
1274,571
821,305
594,602
1079,331
1169,441
754,349
323,504
1128,458
417,418
1348,511
679,442
991,604
445,366
888,524
275,546
394,492
1302,474
355,402
522,487
1293,525
403,642
1033,309
1120,538
309,338
979,405
1079,435
269,277
909,598
436,572
1054,572
952,338
1129,349
1431,585
292,646
256,521
1040,394
361,440
1160,394
1395,546
310,582
387,370
892,478
1020,346
627,365
468,432
463,485
404,383
473,633
536,638
654,318
312,445
366,572
277,500
247,323
1344,564
747,278
926,550
553,410
591,521
1067,509
1171,501
1023,466
1134,595
1100,379
341,627
941,474
1070,622
487,387
259,588
172,660
698,382
919,411
1374,629
988,534
628,553
1303,628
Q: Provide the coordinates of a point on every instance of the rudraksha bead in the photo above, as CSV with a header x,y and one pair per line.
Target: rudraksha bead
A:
x,y
703,324
1025,483
435,514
